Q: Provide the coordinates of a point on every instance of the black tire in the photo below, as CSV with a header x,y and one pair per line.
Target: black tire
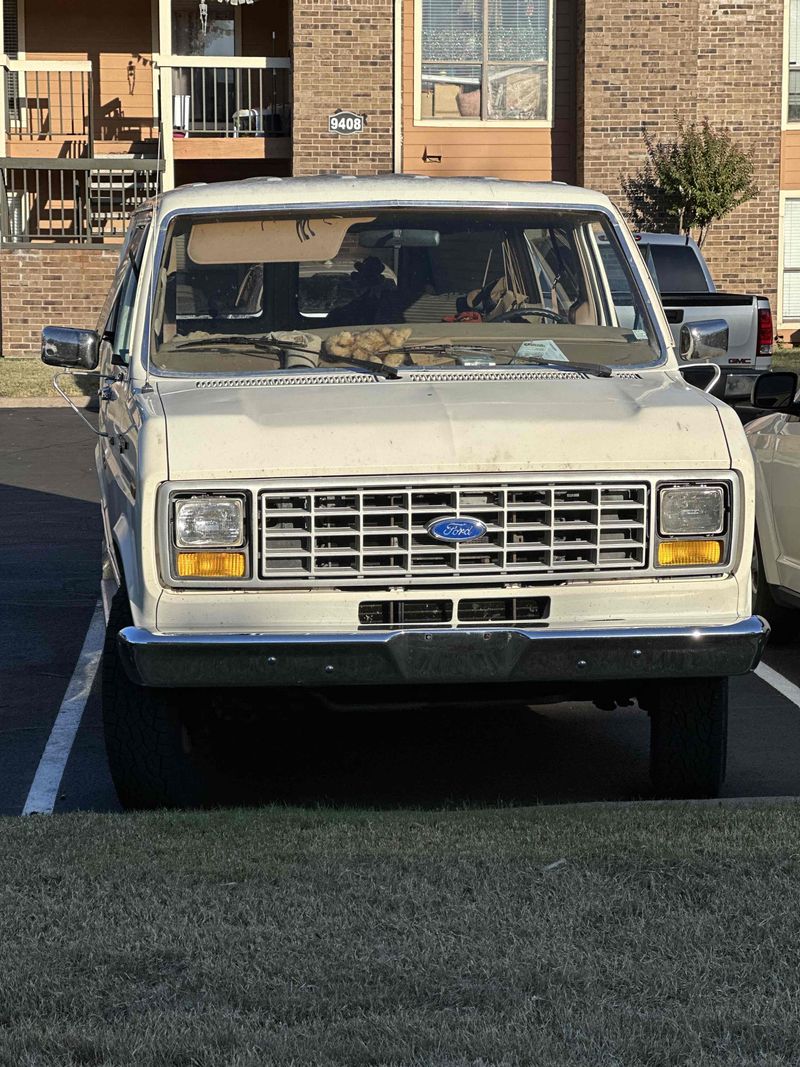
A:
x,y
783,621
689,737
152,763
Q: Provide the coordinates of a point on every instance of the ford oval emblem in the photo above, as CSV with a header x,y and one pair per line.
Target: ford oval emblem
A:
x,y
455,529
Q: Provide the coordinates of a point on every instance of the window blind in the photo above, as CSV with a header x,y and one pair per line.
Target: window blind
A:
x,y
11,49
10,29
452,30
791,260
517,30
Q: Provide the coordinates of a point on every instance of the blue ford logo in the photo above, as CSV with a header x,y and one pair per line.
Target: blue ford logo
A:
x,y
456,529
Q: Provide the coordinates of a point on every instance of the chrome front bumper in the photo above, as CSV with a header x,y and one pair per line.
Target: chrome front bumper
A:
x,y
441,657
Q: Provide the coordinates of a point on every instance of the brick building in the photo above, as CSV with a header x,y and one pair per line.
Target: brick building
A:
x,y
104,104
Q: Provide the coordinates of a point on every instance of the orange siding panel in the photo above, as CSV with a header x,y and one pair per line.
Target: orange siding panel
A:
x,y
790,159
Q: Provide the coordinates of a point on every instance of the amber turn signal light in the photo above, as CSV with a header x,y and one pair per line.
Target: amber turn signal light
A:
x,y
689,553
211,564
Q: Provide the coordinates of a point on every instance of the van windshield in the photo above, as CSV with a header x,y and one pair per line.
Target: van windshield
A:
x,y
402,288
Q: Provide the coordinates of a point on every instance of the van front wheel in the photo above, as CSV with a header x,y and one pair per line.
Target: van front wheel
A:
x,y
689,737
152,760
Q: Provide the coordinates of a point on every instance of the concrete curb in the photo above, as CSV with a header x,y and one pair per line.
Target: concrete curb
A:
x,y
43,401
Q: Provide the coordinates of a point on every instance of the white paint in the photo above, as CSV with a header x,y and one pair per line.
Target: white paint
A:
x,y
777,681
47,780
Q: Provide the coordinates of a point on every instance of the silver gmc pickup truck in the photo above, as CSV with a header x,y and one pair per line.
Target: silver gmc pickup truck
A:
x,y
402,438
689,296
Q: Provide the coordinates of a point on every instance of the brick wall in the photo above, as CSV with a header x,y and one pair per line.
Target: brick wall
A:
x,y
343,58
656,62
43,286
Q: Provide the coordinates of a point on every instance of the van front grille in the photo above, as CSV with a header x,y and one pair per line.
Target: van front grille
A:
x,y
339,534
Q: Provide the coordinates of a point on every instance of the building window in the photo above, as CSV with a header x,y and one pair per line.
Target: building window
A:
x,y
794,61
790,312
485,59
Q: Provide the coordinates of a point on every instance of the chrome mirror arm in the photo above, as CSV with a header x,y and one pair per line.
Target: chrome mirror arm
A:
x,y
75,408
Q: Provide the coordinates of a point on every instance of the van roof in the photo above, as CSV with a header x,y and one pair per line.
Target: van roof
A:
x,y
401,189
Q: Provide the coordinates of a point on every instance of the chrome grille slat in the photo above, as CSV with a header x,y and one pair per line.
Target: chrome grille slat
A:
x,y
539,529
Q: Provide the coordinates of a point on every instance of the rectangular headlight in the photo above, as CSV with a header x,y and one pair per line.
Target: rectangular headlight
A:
x,y
688,510
209,522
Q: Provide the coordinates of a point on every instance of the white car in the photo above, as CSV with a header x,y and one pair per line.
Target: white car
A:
x,y
465,478
775,442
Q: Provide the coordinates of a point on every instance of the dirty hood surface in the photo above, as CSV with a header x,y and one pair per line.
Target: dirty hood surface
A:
x,y
647,422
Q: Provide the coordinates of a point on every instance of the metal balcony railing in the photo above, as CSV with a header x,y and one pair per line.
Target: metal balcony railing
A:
x,y
48,100
73,201
239,97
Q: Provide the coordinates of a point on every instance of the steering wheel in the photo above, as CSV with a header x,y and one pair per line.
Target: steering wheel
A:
x,y
530,310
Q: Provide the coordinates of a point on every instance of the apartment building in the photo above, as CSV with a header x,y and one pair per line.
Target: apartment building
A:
x,y
105,104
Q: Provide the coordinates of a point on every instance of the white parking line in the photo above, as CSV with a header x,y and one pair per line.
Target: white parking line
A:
x,y
44,788
777,681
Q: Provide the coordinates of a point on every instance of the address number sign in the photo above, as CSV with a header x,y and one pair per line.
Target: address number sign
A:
x,y
345,122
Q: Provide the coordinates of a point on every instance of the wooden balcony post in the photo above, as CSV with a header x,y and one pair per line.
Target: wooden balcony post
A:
x,y
165,91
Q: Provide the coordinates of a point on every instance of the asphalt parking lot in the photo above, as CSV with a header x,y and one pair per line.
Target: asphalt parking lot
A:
x,y
49,564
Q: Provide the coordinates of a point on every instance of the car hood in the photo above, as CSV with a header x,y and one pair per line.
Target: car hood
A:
x,y
268,428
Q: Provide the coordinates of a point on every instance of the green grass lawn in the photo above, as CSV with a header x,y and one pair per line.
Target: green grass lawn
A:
x,y
30,377
786,359
556,936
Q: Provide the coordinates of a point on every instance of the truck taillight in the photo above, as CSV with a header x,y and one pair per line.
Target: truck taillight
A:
x,y
766,333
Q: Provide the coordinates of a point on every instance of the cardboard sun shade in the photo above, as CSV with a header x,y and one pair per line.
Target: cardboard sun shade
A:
x,y
269,240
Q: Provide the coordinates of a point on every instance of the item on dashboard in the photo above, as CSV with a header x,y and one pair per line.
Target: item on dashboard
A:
x,y
308,345
464,316
547,349
369,344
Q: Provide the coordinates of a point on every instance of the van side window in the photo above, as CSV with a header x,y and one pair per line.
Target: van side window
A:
x,y
124,318
118,325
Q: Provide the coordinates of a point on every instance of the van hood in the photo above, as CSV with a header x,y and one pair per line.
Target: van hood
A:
x,y
268,428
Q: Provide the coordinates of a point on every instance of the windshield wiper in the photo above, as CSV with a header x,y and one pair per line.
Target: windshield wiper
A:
x,y
267,344
599,370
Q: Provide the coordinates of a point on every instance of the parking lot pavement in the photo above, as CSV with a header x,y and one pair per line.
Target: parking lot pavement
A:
x,y
49,566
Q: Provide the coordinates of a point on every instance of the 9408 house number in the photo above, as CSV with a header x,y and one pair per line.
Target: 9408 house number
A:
x,y
345,122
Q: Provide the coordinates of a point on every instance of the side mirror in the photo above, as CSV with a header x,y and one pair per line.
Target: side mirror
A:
x,y
702,376
704,340
65,347
776,392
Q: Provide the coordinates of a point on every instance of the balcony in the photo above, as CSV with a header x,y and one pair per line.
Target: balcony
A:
x,y
112,102
220,108
73,201
51,111
237,108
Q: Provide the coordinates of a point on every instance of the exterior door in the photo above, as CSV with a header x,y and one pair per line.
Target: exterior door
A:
x,y
205,96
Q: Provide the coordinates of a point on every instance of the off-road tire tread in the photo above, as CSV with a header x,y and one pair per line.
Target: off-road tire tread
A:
x,y
689,737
